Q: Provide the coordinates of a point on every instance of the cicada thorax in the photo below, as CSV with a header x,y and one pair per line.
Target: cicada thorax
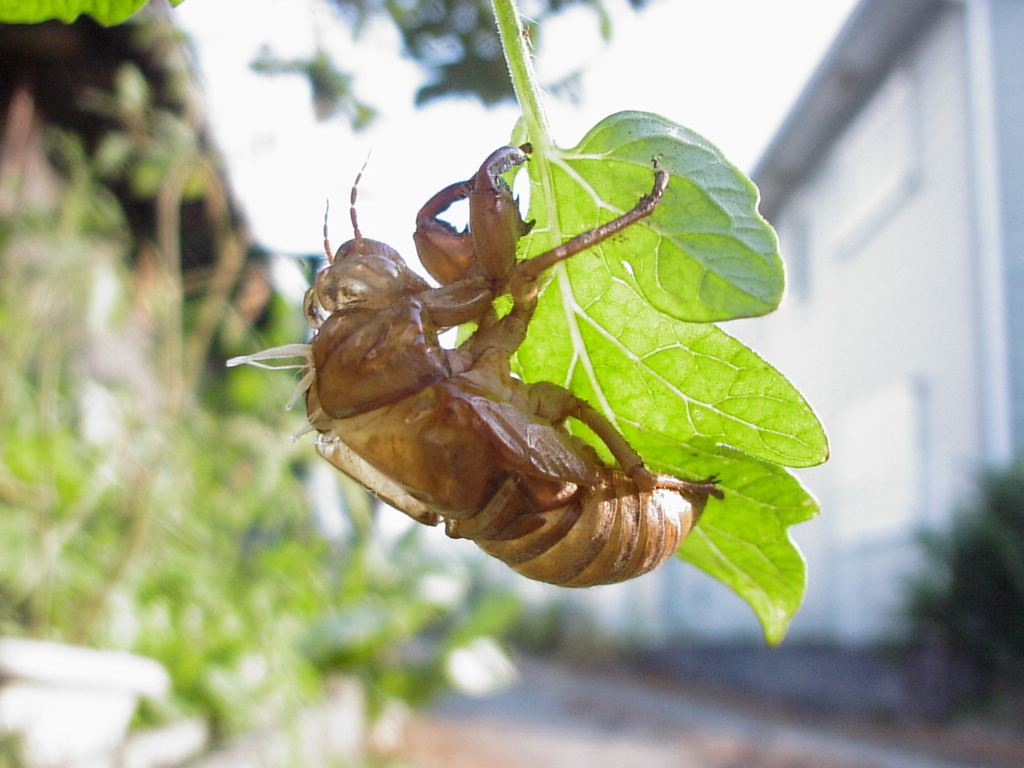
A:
x,y
432,443
377,343
455,444
366,359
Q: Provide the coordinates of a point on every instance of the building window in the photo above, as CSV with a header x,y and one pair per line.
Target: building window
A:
x,y
879,460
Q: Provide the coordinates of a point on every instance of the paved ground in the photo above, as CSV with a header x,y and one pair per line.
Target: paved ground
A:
x,y
561,718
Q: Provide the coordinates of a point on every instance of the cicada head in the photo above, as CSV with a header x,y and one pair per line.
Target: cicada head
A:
x,y
365,274
361,274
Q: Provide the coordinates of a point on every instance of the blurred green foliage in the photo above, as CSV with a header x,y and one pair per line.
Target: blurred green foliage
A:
x,y
150,500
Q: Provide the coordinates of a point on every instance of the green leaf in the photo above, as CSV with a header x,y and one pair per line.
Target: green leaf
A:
x,y
686,382
743,540
106,12
693,401
706,254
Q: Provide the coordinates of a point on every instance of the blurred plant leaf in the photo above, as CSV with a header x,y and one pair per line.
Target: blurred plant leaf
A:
x,y
106,12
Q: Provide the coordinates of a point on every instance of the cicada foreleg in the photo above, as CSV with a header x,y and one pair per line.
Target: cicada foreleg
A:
x,y
508,333
447,254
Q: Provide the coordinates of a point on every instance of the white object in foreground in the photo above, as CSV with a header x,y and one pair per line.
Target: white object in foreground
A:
x,y
71,705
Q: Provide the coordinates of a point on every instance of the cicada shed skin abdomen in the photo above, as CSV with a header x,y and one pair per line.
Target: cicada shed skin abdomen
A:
x,y
449,434
612,532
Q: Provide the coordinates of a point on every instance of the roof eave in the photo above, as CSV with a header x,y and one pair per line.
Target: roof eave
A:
x,y
877,33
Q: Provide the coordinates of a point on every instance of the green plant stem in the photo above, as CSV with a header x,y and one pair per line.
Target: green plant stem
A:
x,y
530,97
524,78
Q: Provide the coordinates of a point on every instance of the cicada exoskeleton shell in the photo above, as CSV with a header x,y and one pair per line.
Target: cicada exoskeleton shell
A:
x,y
449,433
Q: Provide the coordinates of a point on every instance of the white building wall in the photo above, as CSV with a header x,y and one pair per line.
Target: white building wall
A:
x,y
878,331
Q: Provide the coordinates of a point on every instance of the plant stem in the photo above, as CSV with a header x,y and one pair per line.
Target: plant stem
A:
x,y
530,97
524,79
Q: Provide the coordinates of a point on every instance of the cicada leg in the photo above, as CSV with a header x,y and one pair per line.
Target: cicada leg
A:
x,y
557,403
508,333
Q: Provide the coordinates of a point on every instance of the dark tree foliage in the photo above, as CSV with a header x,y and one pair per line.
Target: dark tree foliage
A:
x,y
454,41
974,596
331,88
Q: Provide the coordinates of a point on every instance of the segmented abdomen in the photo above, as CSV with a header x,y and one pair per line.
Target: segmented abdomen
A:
x,y
608,533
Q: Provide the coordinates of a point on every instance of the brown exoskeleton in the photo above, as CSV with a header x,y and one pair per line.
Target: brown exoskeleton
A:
x,y
450,433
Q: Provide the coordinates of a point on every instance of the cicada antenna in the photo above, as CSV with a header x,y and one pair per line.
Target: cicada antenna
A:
x,y
356,233
327,240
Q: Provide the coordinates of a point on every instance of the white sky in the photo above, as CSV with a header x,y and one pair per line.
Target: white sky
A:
x,y
729,69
